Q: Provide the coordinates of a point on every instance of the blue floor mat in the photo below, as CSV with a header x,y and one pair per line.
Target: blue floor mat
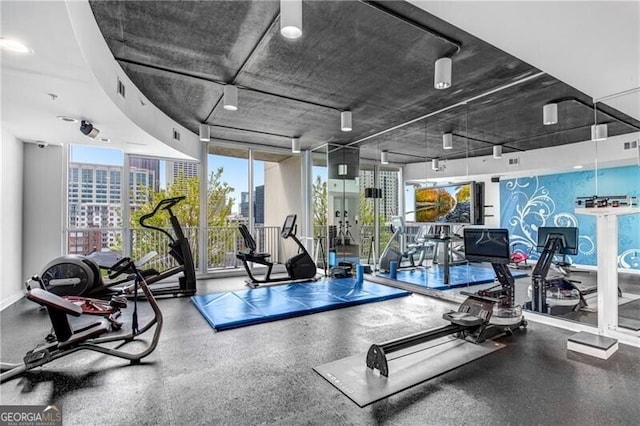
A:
x,y
224,311
459,276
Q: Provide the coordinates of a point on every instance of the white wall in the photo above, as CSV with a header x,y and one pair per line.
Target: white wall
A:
x,y
560,159
10,219
282,194
43,207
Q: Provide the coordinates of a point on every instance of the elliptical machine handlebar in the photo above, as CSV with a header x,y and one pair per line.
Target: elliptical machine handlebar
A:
x,y
123,266
165,204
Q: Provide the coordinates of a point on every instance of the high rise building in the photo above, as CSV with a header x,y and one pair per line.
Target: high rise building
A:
x,y
389,187
258,204
151,164
244,204
188,169
258,210
94,197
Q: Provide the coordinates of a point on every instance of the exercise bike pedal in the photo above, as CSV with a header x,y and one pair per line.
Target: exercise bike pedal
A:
x,y
37,358
118,302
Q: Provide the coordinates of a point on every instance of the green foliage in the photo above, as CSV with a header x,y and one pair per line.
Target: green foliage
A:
x,y
219,205
319,203
219,202
367,211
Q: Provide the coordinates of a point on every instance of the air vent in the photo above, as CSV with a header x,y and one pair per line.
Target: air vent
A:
x,y
514,161
121,88
631,145
176,135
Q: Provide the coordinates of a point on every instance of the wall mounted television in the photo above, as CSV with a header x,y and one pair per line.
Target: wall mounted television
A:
x,y
454,203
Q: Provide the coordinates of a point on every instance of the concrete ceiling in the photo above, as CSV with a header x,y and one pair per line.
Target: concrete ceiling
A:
x,y
375,59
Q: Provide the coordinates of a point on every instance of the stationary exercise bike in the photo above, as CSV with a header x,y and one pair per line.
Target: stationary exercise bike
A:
x,y
66,339
75,275
300,268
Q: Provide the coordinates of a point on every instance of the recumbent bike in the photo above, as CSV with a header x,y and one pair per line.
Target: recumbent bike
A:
x,y
300,268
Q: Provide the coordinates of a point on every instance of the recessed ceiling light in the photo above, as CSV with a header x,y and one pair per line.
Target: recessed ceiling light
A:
x,y
579,166
14,46
67,119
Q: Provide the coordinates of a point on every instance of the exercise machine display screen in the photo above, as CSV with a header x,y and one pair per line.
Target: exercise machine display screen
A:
x,y
287,228
569,237
486,245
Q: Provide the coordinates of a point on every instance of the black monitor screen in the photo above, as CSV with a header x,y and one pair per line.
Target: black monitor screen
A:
x,y
486,245
287,228
569,237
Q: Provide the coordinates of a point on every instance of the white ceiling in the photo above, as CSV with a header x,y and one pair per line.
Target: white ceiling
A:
x,y
57,67
593,46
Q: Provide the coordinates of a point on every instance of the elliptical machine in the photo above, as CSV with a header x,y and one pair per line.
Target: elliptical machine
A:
x,y
75,275
300,268
393,251
68,337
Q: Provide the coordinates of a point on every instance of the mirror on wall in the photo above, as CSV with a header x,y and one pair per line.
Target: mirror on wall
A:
x,y
343,205
319,207
566,204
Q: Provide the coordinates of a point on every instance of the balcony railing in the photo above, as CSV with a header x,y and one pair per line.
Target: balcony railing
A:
x,y
223,242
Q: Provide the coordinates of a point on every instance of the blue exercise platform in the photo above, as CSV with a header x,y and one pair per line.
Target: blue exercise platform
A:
x,y
459,276
224,311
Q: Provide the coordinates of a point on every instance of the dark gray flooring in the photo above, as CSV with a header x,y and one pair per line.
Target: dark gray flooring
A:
x,y
263,374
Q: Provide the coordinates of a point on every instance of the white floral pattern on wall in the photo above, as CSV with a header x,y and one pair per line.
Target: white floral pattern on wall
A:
x,y
529,203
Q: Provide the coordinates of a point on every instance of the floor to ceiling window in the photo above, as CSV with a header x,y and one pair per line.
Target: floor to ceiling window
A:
x,y
150,181
227,207
94,214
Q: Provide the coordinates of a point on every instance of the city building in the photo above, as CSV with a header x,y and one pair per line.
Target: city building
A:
x,y
258,210
94,201
187,169
389,186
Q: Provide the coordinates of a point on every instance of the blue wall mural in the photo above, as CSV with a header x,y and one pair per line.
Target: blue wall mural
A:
x,y
531,202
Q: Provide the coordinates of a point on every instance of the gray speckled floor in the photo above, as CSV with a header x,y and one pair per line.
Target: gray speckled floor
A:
x,y
263,374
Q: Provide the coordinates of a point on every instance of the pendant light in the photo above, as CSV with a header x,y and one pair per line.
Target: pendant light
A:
x,y
345,121
599,132
384,157
497,152
205,132
291,18
230,102
442,76
550,114
447,141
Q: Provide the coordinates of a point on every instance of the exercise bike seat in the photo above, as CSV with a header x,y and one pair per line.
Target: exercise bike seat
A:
x,y
50,300
252,256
